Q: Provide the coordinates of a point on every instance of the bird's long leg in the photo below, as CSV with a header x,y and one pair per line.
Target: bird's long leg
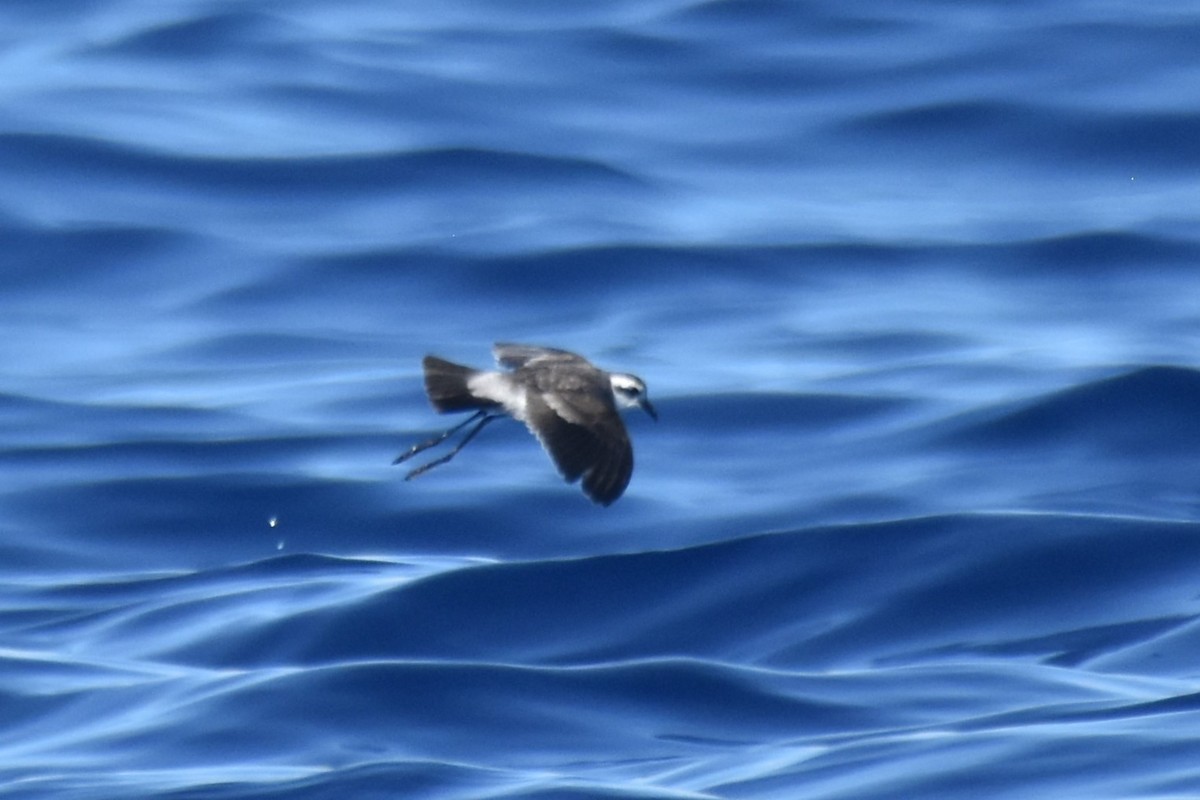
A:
x,y
436,440
470,435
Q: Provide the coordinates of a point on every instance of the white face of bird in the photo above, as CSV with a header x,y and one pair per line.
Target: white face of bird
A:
x,y
629,391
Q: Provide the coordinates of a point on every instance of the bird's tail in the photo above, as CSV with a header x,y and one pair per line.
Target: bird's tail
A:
x,y
446,385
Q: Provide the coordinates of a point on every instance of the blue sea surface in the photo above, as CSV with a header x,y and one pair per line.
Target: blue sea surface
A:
x,y
915,289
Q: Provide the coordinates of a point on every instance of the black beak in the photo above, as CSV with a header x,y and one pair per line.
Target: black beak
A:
x,y
649,409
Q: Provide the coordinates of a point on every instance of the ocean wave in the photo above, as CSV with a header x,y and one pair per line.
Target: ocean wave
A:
x,y
833,598
434,169
847,638
1143,412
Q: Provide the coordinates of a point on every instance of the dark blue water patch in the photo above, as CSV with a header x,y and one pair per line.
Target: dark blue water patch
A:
x,y
1162,140
1089,254
214,35
417,780
404,282
175,503
261,348
377,400
1085,254
882,347
634,606
629,51
172,458
1186,703
36,688
578,790
1027,133
641,269
443,290
741,413
385,780
1146,412
1074,647
904,592
503,714
587,272
106,261
1147,42
123,616
161,520
709,68
581,793
61,157
986,764
1042,586
22,410
60,426
1170,652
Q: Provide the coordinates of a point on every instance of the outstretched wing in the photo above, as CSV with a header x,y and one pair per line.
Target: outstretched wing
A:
x,y
599,451
515,356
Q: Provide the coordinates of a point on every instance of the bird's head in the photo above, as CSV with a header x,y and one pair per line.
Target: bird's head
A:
x,y
630,391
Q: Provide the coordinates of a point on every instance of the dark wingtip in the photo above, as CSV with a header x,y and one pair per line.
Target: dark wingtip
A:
x,y
603,501
607,489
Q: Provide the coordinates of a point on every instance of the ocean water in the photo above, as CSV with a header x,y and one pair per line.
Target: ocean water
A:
x,y
914,287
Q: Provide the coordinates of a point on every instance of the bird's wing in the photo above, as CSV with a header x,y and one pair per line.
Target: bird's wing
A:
x,y
599,452
515,356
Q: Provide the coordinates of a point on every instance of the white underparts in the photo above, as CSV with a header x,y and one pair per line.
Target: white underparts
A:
x,y
498,387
